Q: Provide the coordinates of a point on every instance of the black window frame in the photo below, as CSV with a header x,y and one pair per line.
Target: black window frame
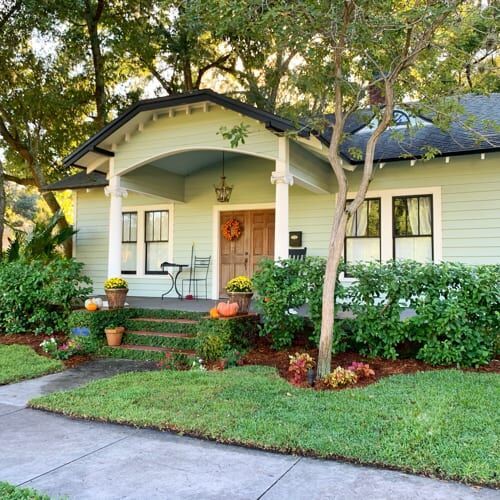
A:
x,y
405,197
130,212
146,241
375,198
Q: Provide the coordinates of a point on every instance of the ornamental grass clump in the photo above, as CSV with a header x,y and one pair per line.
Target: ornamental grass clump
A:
x,y
240,284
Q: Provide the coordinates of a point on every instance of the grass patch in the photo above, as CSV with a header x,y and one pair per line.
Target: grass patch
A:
x,y
444,423
19,362
10,492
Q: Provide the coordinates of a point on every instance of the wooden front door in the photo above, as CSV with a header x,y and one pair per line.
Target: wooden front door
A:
x,y
242,256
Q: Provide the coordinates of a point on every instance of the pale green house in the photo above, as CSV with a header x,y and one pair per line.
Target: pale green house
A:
x,y
146,193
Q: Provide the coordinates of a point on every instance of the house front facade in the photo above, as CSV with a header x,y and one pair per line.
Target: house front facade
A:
x,y
146,194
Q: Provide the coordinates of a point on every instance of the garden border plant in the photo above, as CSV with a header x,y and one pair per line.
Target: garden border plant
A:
x,y
456,308
37,296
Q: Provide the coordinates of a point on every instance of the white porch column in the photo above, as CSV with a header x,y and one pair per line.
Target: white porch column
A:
x,y
282,178
115,193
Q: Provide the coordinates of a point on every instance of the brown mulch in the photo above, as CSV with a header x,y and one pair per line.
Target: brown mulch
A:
x,y
262,354
34,341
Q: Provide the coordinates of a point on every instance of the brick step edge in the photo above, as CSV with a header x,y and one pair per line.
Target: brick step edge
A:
x,y
145,333
131,347
167,320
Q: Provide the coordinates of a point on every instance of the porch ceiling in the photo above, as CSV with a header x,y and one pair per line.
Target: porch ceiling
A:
x,y
192,161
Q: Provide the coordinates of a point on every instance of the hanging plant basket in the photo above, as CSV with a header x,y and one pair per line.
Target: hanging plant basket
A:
x,y
231,229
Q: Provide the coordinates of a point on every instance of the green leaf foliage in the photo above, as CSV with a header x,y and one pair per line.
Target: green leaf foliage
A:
x,y
282,289
38,296
217,337
444,314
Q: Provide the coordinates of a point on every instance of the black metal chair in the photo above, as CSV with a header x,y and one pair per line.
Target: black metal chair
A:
x,y
197,274
297,253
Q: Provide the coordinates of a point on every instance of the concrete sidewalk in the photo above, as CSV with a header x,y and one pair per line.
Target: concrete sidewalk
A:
x,y
89,460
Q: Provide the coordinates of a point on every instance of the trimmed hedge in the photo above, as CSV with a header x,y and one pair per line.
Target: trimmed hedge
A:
x,y
216,337
37,296
444,314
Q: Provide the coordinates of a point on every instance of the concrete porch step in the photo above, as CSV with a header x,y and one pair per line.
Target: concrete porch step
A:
x,y
147,333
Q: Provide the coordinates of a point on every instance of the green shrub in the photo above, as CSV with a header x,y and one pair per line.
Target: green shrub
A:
x,y
218,337
285,286
455,320
37,296
449,313
96,322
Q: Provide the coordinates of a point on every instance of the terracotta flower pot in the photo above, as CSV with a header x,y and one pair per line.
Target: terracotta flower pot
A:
x,y
243,299
116,297
114,335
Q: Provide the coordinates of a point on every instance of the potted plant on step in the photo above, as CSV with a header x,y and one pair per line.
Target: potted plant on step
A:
x,y
114,334
240,291
116,290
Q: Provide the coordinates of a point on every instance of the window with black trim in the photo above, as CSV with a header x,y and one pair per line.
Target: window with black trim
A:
x,y
129,242
156,240
362,241
412,228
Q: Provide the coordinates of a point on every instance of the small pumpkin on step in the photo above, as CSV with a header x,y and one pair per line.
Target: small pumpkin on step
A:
x,y
228,309
214,314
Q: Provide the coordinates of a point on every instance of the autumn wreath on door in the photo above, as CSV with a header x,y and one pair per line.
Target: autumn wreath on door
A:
x,y
231,229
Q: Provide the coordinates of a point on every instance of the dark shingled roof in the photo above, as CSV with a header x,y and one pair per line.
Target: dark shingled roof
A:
x,y
463,137
81,180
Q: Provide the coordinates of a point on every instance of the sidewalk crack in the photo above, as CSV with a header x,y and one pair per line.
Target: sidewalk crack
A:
x,y
76,459
279,479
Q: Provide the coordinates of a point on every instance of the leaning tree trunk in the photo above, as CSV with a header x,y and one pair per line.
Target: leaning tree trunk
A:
x,y
2,206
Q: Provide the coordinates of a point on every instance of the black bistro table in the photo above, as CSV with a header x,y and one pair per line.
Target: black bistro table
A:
x,y
170,265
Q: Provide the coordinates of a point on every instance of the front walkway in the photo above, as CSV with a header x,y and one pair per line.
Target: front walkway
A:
x,y
89,460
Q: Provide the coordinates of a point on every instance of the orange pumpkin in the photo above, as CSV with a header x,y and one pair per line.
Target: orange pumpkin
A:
x,y
91,307
228,309
214,313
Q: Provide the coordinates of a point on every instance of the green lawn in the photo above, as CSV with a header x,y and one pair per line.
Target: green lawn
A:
x,y
444,423
9,492
19,362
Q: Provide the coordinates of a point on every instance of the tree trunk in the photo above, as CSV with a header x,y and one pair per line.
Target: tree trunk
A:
x,y
328,301
92,18
2,206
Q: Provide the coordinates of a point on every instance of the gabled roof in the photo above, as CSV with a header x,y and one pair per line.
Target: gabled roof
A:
x,y
273,122
461,138
81,180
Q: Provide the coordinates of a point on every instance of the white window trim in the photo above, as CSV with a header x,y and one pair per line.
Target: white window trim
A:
x,y
141,245
386,195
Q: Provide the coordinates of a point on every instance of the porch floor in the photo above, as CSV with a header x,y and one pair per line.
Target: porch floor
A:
x,y
200,305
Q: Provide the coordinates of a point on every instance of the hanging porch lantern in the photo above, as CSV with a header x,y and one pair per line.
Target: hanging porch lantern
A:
x,y
222,190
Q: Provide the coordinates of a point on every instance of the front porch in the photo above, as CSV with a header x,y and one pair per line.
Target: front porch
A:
x,y
160,206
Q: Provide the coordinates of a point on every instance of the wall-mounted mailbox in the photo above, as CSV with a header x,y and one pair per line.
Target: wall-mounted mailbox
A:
x,y
295,239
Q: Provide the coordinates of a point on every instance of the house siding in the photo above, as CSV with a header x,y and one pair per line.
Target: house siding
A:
x,y
470,193
199,130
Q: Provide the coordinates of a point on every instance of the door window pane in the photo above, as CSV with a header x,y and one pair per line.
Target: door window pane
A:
x,y
412,228
363,233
